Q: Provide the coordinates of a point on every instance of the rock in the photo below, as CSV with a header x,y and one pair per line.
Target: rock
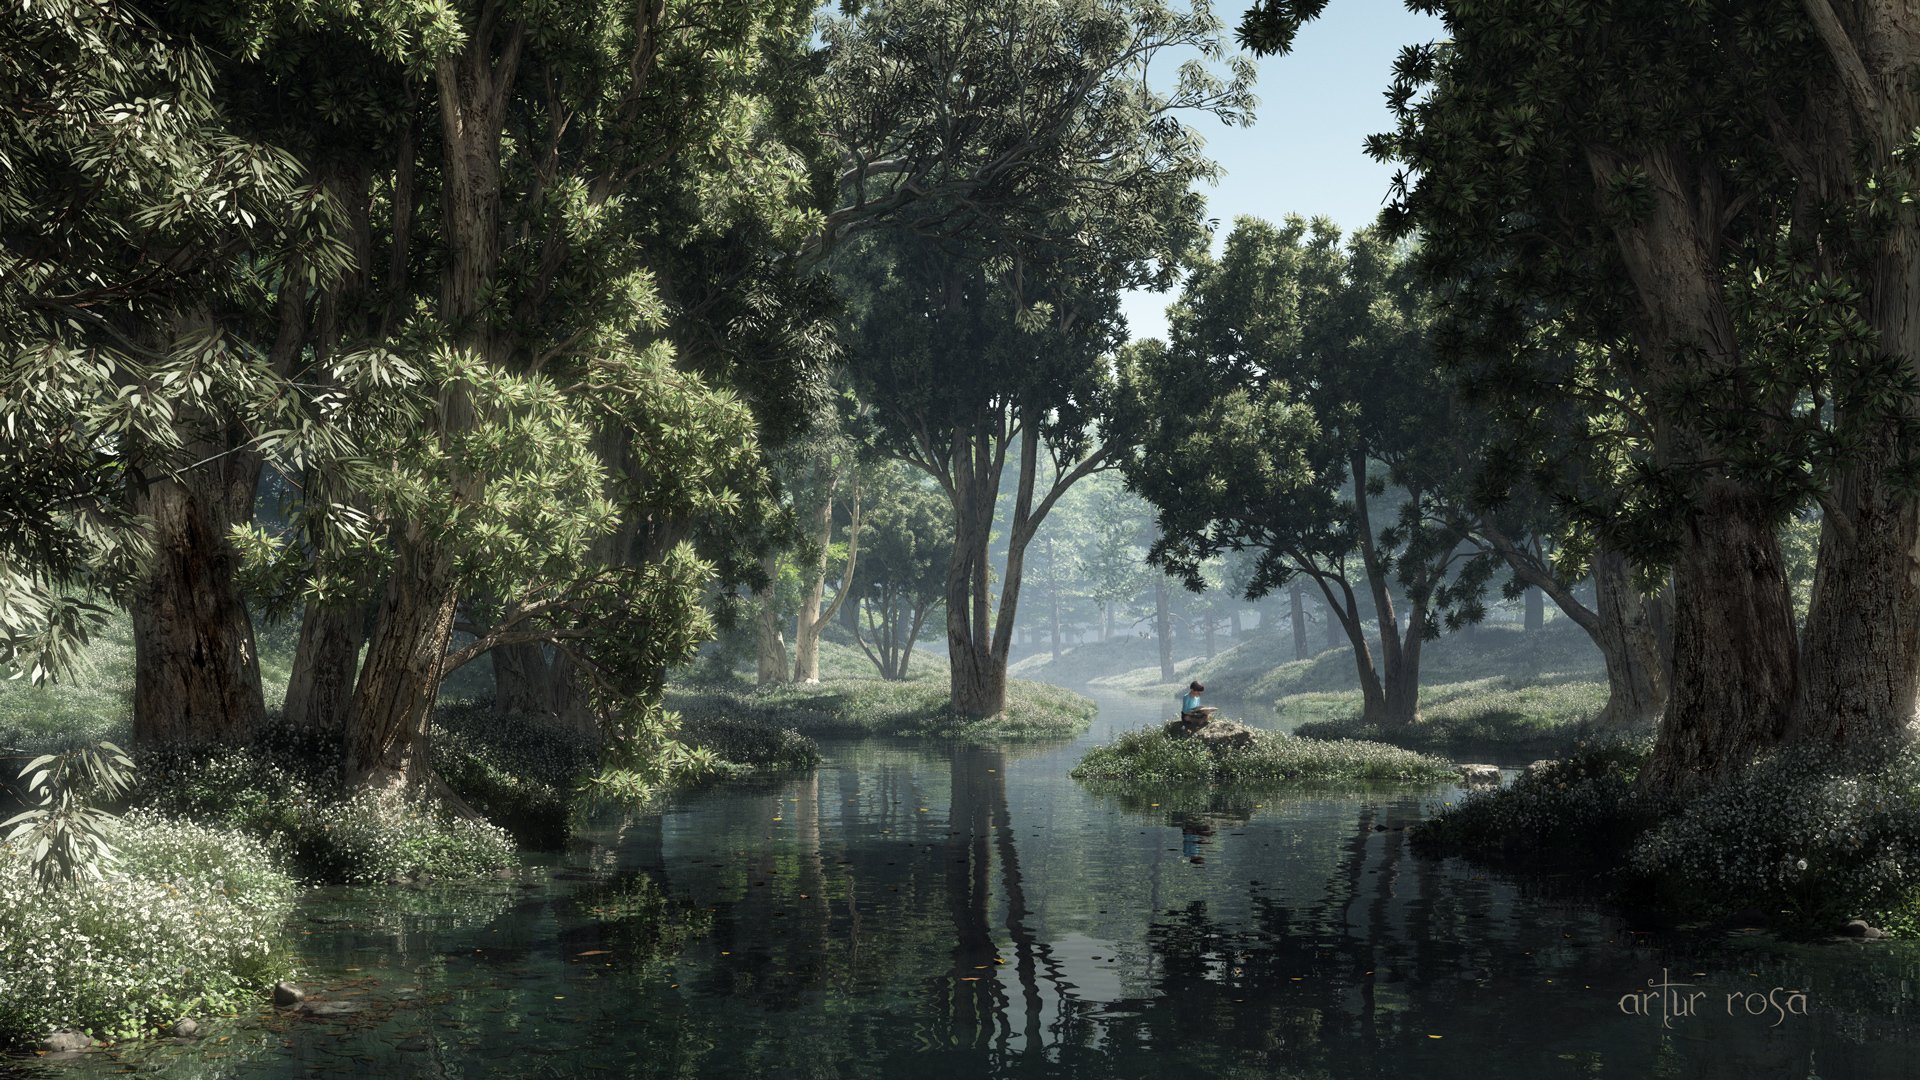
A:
x,y
1226,735
503,875
285,994
65,1042
1859,928
1215,734
1540,766
186,1027
330,1008
1480,775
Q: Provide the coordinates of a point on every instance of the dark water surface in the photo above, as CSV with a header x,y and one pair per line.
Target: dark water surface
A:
x,y
927,912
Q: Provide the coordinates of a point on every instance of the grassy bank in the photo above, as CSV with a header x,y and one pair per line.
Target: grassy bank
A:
x,y
1496,687
1151,756
854,707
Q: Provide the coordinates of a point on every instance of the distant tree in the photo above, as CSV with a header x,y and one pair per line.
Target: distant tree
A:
x,y
985,303
1297,386
902,576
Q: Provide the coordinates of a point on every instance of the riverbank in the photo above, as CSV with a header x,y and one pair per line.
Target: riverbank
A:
x,y
873,707
1494,691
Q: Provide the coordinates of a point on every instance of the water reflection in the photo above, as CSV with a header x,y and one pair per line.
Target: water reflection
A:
x,y
930,912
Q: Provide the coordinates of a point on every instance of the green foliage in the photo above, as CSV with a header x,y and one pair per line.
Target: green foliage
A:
x,y
1817,836
188,923
1152,756
129,200
521,774
1579,810
286,792
747,743
67,837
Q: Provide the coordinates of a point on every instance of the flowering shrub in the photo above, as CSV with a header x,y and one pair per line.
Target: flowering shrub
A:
x,y
1581,808
1150,755
381,836
1805,831
325,837
187,920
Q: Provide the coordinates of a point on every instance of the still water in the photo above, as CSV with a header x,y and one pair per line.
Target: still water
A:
x,y
928,911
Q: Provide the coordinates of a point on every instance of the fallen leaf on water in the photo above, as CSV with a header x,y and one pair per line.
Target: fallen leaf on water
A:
x,y
594,952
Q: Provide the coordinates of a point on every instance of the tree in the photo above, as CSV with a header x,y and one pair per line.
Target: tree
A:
x,y
902,576
1678,190
985,306
1296,376
136,219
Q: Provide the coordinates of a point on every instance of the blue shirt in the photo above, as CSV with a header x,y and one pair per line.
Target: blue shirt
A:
x,y
1190,702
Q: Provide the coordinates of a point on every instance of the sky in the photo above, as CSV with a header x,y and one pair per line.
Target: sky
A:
x,y
1305,153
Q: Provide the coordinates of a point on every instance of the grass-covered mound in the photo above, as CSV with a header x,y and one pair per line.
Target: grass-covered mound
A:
x,y
1804,838
1808,834
1579,810
186,922
1152,756
1538,718
914,709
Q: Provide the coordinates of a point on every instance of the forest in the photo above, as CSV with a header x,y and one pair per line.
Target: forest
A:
x,y
619,536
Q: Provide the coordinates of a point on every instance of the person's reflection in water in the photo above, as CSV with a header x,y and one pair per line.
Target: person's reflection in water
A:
x,y
1194,831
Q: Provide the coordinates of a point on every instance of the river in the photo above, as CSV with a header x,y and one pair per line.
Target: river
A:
x,y
923,911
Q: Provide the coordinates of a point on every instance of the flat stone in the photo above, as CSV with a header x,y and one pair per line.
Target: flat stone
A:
x,y
1474,775
286,994
65,1042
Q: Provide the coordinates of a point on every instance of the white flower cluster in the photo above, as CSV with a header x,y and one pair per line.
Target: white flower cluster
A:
x,y
188,920
374,837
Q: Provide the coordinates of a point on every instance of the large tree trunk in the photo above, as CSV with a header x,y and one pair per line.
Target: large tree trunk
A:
x,y
386,740
1625,630
1860,659
1733,647
1534,611
324,662
813,622
197,674
809,625
1298,595
387,737
523,680
1400,679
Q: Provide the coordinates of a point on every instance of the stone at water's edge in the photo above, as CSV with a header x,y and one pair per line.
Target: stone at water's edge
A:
x,y
1540,766
1215,734
65,1042
286,994
1480,775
